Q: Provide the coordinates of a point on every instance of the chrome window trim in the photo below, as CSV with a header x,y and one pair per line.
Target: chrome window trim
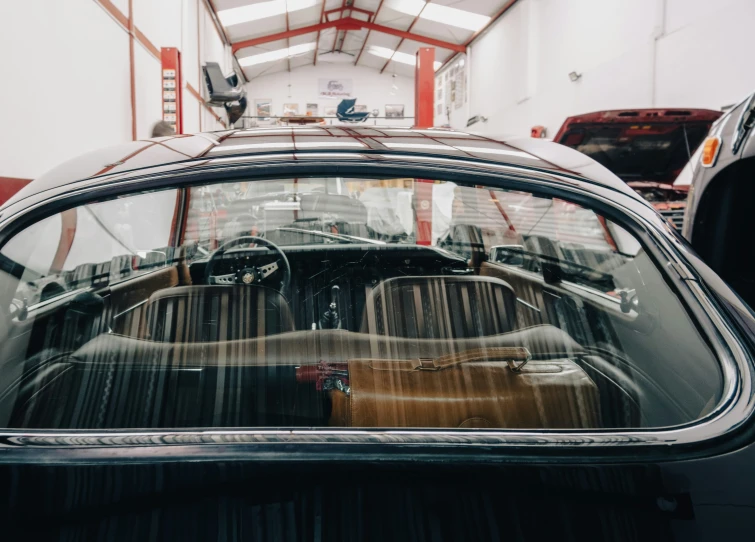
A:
x,y
733,410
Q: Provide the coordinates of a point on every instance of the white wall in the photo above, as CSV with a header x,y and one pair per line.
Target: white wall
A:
x,y
369,87
66,76
61,96
631,54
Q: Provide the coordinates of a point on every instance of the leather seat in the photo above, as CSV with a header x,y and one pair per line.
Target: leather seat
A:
x,y
440,307
215,313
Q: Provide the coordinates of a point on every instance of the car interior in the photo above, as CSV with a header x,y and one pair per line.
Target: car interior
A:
x,y
314,306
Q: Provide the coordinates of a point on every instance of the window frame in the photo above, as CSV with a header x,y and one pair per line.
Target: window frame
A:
x,y
662,244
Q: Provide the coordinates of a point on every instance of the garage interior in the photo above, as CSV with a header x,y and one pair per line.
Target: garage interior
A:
x,y
86,74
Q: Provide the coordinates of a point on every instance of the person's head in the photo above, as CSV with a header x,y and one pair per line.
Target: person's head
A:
x,y
162,129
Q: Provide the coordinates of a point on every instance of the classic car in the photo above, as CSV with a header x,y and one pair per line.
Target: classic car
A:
x,y
721,181
647,148
276,334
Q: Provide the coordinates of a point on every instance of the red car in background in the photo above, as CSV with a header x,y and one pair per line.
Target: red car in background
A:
x,y
646,148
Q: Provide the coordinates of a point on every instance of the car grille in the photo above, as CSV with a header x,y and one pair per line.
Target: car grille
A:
x,y
675,216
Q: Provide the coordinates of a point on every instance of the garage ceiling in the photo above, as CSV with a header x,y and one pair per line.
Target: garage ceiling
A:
x,y
270,36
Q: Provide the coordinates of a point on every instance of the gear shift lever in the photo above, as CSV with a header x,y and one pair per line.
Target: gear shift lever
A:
x,y
330,318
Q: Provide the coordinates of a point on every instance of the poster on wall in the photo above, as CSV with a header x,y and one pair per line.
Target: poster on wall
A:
x,y
263,108
359,108
290,110
312,110
394,111
334,88
330,110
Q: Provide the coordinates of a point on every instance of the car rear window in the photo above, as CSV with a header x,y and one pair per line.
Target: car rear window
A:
x,y
347,303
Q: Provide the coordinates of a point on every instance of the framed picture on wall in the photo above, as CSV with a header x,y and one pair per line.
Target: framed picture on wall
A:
x,y
263,108
290,110
312,110
330,110
394,111
358,108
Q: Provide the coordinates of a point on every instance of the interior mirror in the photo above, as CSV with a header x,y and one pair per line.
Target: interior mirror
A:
x,y
507,254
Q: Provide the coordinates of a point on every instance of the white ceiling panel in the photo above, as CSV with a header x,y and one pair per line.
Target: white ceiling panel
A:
x,y
443,32
255,29
304,17
265,69
355,41
259,49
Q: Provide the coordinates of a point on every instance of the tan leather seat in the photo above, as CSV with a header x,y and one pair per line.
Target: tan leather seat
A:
x,y
440,307
215,313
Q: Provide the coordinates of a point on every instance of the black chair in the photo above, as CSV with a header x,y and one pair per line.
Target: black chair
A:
x,y
225,92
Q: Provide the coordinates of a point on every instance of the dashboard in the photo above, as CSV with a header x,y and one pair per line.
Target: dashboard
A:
x,y
354,268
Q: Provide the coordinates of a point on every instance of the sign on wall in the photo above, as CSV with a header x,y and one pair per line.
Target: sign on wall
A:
x,y
334,88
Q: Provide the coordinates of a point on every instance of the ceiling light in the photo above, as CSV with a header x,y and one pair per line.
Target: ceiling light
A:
x,y
421,146
262,10
403,58
316,144
485,150
252,146
410,7
454,17
440,14
270,56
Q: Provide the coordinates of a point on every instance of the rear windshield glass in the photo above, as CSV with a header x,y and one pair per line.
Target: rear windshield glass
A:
x,y
343,302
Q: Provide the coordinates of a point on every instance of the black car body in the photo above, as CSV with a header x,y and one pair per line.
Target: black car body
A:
x,y
652,441
720,200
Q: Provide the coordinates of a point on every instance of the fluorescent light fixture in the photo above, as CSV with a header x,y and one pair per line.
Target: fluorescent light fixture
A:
x,y
270,56
262,10
255,158
403,58
252,146
504,152
421,146
318,144
440,14
440,132
250,132
328,155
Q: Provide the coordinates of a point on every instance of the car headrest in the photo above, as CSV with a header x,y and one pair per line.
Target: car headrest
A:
x,y
437,307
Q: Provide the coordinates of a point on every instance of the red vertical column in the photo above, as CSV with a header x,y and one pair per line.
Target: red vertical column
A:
x,y
423,209
424,88
172,88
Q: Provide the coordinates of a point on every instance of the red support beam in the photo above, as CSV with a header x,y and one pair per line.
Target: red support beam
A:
x,y
380,5
317,39
9,186
219,28
132,74
424,88
402,39
349,23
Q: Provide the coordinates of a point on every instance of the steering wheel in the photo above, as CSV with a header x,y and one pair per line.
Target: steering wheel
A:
x,y
249,275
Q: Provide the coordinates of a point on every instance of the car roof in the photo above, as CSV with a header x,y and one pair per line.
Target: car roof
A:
x,y
380,143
